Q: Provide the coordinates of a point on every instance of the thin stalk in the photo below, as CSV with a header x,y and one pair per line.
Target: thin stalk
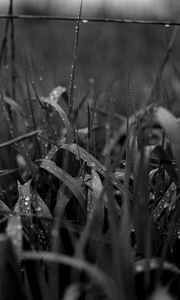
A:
x,y
73,68
20,138
163,64
13,52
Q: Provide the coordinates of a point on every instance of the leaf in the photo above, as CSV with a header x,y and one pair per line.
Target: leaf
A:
x,y
91,161
95,203
141,217
52,100
171,125
69,181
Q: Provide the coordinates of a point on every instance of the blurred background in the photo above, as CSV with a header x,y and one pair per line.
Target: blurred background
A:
x,y
107,52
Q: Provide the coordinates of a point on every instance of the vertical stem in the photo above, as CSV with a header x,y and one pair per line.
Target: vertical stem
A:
x,y
73,68
13,52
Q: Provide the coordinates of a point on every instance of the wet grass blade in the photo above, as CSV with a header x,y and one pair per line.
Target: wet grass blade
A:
x,y
50,100
97,276
171,125
13,50
69,181
91,161
73,68
140,211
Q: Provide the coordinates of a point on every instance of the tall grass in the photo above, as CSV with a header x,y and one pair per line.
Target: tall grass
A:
x,y
76,226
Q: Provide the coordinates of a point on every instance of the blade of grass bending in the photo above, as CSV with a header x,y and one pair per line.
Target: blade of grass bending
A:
x,y
94,273
73,68
171,125
71,183
92,162
62,115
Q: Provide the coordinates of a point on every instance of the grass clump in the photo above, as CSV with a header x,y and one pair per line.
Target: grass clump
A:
x,y
80,219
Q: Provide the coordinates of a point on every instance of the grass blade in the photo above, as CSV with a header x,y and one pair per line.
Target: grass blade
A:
x,y
171,125
73,68
69,181
52,100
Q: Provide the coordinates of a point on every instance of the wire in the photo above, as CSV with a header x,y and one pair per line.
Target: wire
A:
x,y
86,20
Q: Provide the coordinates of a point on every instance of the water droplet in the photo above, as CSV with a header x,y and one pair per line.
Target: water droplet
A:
x,y
165,205
167,25
38,208
84,21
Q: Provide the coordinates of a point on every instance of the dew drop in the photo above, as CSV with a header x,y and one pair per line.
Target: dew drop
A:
x,y
167,25
165,205
38,208
84,21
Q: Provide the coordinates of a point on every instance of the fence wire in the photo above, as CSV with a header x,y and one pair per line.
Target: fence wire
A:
x,y
90,20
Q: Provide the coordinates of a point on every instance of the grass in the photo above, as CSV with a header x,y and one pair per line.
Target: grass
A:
x,y
93,212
